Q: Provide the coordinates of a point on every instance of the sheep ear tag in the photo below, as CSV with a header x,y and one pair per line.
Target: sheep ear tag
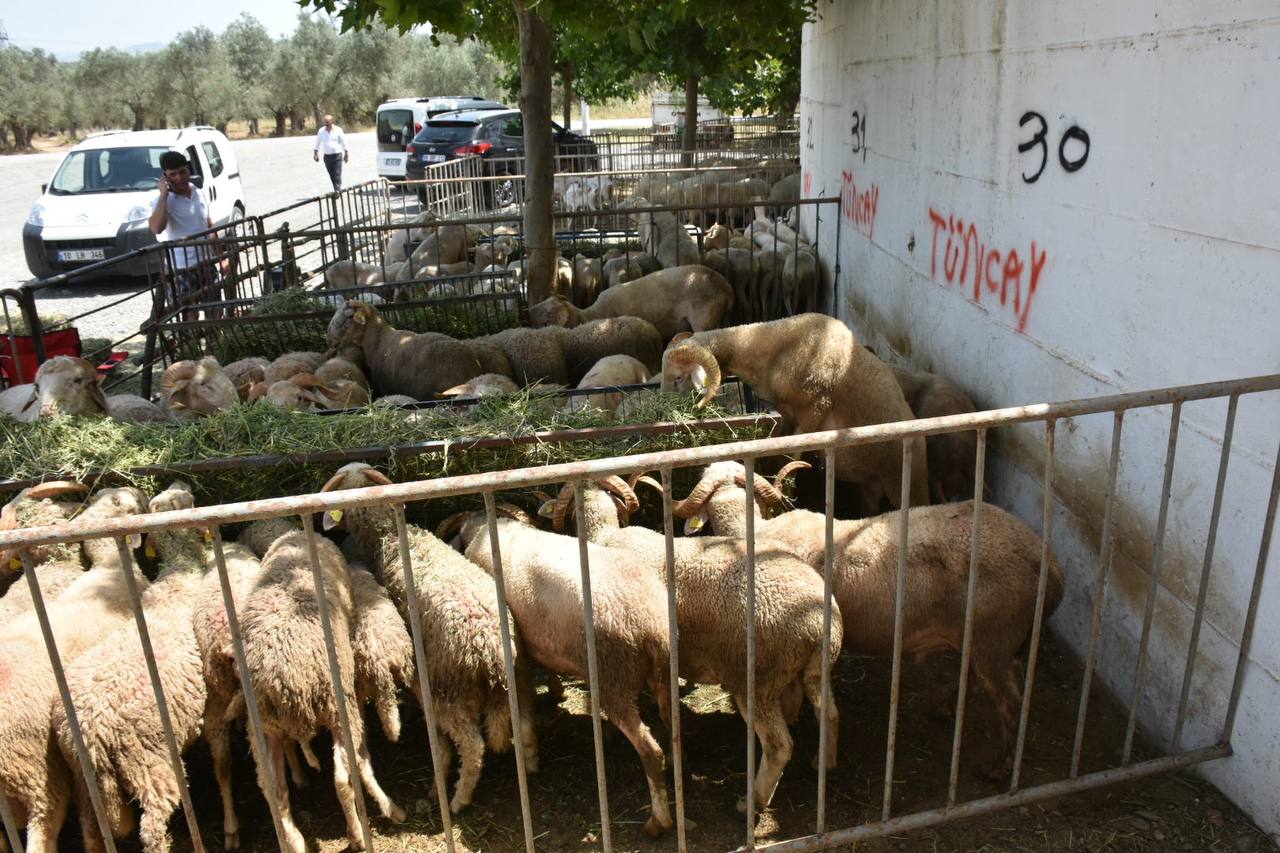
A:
x,y
548,509
693,525
150,549
332,519
134,540
15,564
698,377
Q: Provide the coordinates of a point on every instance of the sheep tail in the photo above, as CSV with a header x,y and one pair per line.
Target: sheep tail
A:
x,y
235,707
497,722
389,715
119,813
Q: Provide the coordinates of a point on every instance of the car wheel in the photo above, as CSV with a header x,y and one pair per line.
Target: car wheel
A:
x,y
237,212
504,192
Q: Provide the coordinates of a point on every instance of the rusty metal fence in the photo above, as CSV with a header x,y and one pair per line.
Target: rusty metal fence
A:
x,y
487,486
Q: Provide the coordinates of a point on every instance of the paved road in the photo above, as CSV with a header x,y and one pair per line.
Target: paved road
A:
x,y
275,172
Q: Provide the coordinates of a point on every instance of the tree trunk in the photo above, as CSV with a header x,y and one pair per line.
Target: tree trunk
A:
x,y
690,141
139,118
535,104
21,138
279,117
253,127
4,136
566,77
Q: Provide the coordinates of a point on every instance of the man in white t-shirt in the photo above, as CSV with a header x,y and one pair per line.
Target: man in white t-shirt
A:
x,y
332,143
179,210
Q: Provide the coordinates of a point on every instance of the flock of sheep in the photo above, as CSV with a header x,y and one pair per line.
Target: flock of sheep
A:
x,y
677,322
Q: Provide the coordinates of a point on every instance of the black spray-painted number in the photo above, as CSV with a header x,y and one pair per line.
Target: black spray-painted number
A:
x,y
859,132
808,133
1038,140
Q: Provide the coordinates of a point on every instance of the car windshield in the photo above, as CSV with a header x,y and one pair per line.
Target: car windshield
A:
x,y
108,170
445,130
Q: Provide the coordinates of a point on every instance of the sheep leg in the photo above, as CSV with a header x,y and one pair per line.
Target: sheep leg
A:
x,y
296,773
627,719
46,814
158,795
293,840
386,805
89,830
346,794
216,735
813,690
528,734
464,731
775,745
1000,682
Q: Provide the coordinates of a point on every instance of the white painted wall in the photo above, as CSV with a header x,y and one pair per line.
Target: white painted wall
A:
x,y
1156,262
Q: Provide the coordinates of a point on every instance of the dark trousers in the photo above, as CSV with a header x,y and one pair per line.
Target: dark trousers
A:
x,y
333,162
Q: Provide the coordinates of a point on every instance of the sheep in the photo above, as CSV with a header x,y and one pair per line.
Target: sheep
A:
x,y
382,650
194,389
341,368
244,373
35,506
587,276
485,385
63,386
818,378
113,694
609,372
294,397
630,624
288,665
461,635
864,571
347,273
560,356
392,400
732,198
741,268
800,282
785,190
952,455
664,237
285,366
677,299
710,576
443,244
33,774
717,237
401,362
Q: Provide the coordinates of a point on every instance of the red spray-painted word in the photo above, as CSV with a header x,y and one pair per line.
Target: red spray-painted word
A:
x,y
859,205
808,184
1013,281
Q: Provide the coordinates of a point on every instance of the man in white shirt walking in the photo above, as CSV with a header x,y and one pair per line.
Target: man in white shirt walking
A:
x,y
332,143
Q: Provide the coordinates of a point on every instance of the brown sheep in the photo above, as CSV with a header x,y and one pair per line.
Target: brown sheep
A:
x,y
817,377
952,455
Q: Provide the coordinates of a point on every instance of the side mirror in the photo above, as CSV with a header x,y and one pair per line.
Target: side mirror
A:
x,y
197,181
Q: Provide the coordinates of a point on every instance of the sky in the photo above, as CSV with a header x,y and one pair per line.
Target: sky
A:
x,y
67,28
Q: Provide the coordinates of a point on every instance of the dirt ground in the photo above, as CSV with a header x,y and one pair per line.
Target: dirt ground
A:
x,y
1167,813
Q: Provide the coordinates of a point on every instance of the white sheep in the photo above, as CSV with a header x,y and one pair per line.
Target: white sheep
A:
x,y
461,635
33,773
609,372
662,236
63,386
194,389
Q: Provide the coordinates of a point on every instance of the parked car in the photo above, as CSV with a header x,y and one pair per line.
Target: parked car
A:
x,y
399,120
99,200
498,138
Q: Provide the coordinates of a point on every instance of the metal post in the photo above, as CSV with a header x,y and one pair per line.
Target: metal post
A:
x,y
335,673
899,606
1104,565
1033,644
508,661
677,746
749,508
593,669
824,727
1153,585
424,679
966,644
64,692
166,723
1202,596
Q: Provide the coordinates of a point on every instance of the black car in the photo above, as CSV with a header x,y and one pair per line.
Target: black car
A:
x,y
497,136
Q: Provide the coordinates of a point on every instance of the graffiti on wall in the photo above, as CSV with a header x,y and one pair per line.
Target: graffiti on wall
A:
x,y
859,203
1006,278
1073,146
858,134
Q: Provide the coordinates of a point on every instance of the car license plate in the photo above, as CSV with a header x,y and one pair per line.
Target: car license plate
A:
x,y
395,161
82,254
434,158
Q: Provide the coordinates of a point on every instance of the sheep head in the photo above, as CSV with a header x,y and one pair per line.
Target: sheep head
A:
x,y
689,366
461,527
68,386
11,517
354,475
347,328
484,385
618,491
553,311
245,373
193,389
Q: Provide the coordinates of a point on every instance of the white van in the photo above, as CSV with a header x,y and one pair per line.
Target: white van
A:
x,y
400,120
98,203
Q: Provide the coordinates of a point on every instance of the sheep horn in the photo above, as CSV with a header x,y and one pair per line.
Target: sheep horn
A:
x,y
53,489
696,499
452,524
378,477
515,512
796,465
623,490
641,477
333,482
763,491
564,500
99,398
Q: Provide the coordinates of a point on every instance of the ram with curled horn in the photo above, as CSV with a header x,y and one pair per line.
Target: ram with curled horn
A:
x,y
621,493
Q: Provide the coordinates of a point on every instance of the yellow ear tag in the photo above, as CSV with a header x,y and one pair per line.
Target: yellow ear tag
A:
x,y
696,523
15,564
336,515
150,551
331,519
547,509
207,534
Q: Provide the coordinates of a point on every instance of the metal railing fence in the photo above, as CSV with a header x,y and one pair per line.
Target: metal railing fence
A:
x,y
827,443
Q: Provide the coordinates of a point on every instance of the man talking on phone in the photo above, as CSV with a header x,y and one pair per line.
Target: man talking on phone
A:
x,y
180,210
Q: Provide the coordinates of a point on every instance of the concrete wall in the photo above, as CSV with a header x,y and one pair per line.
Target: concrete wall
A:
x,y
982,237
